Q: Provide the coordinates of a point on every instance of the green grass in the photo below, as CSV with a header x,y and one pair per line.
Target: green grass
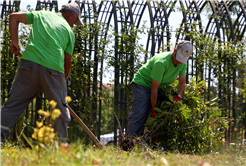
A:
x,y
79,154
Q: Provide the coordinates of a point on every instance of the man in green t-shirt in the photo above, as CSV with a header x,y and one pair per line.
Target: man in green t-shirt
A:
x,y
45,64
161,70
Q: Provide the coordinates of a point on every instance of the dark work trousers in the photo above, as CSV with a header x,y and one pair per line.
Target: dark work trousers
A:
x,y
30,79
141,106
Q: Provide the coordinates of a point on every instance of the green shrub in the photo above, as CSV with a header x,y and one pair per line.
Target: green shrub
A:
x,y
191,125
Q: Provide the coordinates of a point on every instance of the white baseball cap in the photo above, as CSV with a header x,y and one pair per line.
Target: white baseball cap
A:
x,y
74,7
183,50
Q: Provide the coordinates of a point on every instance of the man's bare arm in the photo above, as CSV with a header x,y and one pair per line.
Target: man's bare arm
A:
x,y
182,83
154,93
67,64
14,20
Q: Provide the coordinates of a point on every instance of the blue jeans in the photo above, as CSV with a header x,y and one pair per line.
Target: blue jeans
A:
x,y
141,106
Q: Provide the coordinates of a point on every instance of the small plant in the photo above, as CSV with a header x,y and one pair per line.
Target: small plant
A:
x,y
44,132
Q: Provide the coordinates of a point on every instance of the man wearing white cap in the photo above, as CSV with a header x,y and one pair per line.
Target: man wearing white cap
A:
x,y
161,70
45,64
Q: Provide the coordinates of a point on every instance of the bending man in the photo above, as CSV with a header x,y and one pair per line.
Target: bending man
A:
x,y
161,70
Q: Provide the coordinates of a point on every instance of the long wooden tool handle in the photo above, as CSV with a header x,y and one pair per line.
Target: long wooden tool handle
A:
x,y
93,137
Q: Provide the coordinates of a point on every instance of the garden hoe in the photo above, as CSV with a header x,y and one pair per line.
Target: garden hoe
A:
x,y
93,137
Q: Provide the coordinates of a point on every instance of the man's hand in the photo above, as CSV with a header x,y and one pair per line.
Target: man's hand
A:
x,y
153,113
177,98
14,48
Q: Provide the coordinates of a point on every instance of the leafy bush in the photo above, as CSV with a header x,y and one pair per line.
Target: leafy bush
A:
x,y
191,125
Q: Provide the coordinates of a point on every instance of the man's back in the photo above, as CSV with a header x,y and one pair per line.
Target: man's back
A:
x,y
49,38
161,69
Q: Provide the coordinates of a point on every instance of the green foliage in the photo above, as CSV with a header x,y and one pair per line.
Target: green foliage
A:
x,y
191,125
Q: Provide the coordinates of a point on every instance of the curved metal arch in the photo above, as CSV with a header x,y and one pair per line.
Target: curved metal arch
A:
x,y
239,25
7,8
138,9
47,5
127,14
104,12
158,14
123,16
101,35
88,9
221,28
189,19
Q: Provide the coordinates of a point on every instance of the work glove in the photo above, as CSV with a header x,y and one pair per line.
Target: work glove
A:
x,y
153,113
177,98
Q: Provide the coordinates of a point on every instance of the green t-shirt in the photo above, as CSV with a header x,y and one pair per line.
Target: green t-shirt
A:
x,y
49,38
161,69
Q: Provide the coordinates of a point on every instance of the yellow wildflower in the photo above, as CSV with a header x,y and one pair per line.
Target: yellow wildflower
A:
x,y
41,132
39,124
46,140
52,135
41,139
35,134
41,112
68,99
47,114
37,147
47,129
55,114
53,104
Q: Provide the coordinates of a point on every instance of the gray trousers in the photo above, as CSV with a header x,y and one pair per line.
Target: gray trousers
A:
x,y
141,107
30,79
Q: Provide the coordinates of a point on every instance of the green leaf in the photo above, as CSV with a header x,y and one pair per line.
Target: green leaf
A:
x,y
213,103
161,114
170,98
169,103
185,113
162,104
182,107
152,120
166,106
214,99
154,125
157,109
202,82
187,110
